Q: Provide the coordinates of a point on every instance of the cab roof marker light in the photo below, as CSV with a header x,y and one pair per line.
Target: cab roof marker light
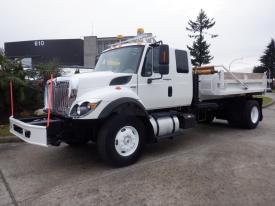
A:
x,y
140,38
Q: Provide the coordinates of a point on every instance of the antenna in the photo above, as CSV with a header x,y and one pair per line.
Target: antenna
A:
x,y
92,28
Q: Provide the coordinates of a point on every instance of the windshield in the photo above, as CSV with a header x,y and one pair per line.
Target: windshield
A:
x,y
122,60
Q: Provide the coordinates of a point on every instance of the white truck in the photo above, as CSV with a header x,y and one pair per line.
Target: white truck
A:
x,y
140,92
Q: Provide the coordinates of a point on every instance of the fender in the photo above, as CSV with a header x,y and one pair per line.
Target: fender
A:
x,y
127,101
130,106
108,95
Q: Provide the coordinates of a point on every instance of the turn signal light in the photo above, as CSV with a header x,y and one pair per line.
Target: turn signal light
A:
x,y
92,105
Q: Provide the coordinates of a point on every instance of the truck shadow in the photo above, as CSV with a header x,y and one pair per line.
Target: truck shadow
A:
x,y
202,134
189,139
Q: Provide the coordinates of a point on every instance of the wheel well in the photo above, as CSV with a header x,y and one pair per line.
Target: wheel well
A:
x,y
126,105
226,105
132,109
129,108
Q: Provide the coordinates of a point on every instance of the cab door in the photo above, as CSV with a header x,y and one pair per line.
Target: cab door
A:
x,y
154,89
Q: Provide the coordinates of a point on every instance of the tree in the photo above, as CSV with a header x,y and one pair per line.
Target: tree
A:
x,y
11,70
200,48
259,69
28,94
43,72
268,59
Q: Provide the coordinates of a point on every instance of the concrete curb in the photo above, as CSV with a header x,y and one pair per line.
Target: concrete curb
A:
x,y
9,139
271,96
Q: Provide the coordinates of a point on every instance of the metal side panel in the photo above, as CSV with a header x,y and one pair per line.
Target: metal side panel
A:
x,y
32,134
217,86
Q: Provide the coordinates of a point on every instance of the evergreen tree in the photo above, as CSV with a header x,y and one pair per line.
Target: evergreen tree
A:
x,y
259,69
200,48
268,59
11,70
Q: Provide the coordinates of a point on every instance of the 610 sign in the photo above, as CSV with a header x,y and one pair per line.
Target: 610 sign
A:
x,y
39,43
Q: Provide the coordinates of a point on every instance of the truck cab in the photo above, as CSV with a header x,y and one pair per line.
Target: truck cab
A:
x,y
155,75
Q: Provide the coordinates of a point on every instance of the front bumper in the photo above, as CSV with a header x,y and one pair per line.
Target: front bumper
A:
x,y
34,130
31,133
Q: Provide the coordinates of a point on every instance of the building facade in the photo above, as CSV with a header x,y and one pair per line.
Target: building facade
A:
x,y
93,47
67,52
64,51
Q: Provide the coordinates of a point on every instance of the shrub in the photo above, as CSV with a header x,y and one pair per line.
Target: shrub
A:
x,y
28,86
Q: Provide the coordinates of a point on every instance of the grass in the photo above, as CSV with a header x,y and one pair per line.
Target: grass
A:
x,y
273,90
4,130
266,100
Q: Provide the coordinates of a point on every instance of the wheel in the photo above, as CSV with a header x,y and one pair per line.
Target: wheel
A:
x,y
245,114
76,143
121,140
251,114
208,119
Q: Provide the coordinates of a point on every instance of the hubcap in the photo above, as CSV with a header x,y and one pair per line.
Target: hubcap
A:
x,y
126,141
254,114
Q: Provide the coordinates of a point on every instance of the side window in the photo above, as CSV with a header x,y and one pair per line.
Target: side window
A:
x,y
151,61
182,61
148,63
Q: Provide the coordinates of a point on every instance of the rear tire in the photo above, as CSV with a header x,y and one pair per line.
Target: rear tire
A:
x,y
121,140
209,118
245,114
251,114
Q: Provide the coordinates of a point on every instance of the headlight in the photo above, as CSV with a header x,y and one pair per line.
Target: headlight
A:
x,y
83,109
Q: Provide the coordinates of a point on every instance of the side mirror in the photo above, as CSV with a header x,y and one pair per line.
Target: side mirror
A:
x,y
163,69
164,54
161,52
163,59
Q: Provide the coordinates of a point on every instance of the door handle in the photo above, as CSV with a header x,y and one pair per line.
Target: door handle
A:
x,y
170,91
167,79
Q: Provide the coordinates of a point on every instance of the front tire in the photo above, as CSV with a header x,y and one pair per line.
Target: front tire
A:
x,y
121,140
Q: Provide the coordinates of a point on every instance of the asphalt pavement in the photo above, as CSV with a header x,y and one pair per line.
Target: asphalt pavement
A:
x,y
207,165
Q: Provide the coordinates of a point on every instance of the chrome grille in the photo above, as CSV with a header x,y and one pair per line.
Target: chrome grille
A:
x,y
61,101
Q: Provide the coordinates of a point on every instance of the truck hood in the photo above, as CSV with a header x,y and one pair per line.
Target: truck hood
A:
x,y
90,81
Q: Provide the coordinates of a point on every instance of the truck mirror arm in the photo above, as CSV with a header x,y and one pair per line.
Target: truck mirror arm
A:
x,y
150,80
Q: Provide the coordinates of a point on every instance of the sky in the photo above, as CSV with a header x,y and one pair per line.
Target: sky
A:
x,y
244,27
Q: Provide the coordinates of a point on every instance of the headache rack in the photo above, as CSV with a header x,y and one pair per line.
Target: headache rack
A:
x,y
141,38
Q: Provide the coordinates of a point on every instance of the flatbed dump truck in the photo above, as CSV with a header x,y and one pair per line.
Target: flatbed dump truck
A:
x,y
140,92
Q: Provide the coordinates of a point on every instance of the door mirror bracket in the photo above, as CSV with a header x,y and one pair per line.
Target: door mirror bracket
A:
x,y
150,80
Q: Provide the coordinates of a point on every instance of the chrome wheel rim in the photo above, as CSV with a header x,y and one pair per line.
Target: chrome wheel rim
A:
x,y
126,141
254,114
